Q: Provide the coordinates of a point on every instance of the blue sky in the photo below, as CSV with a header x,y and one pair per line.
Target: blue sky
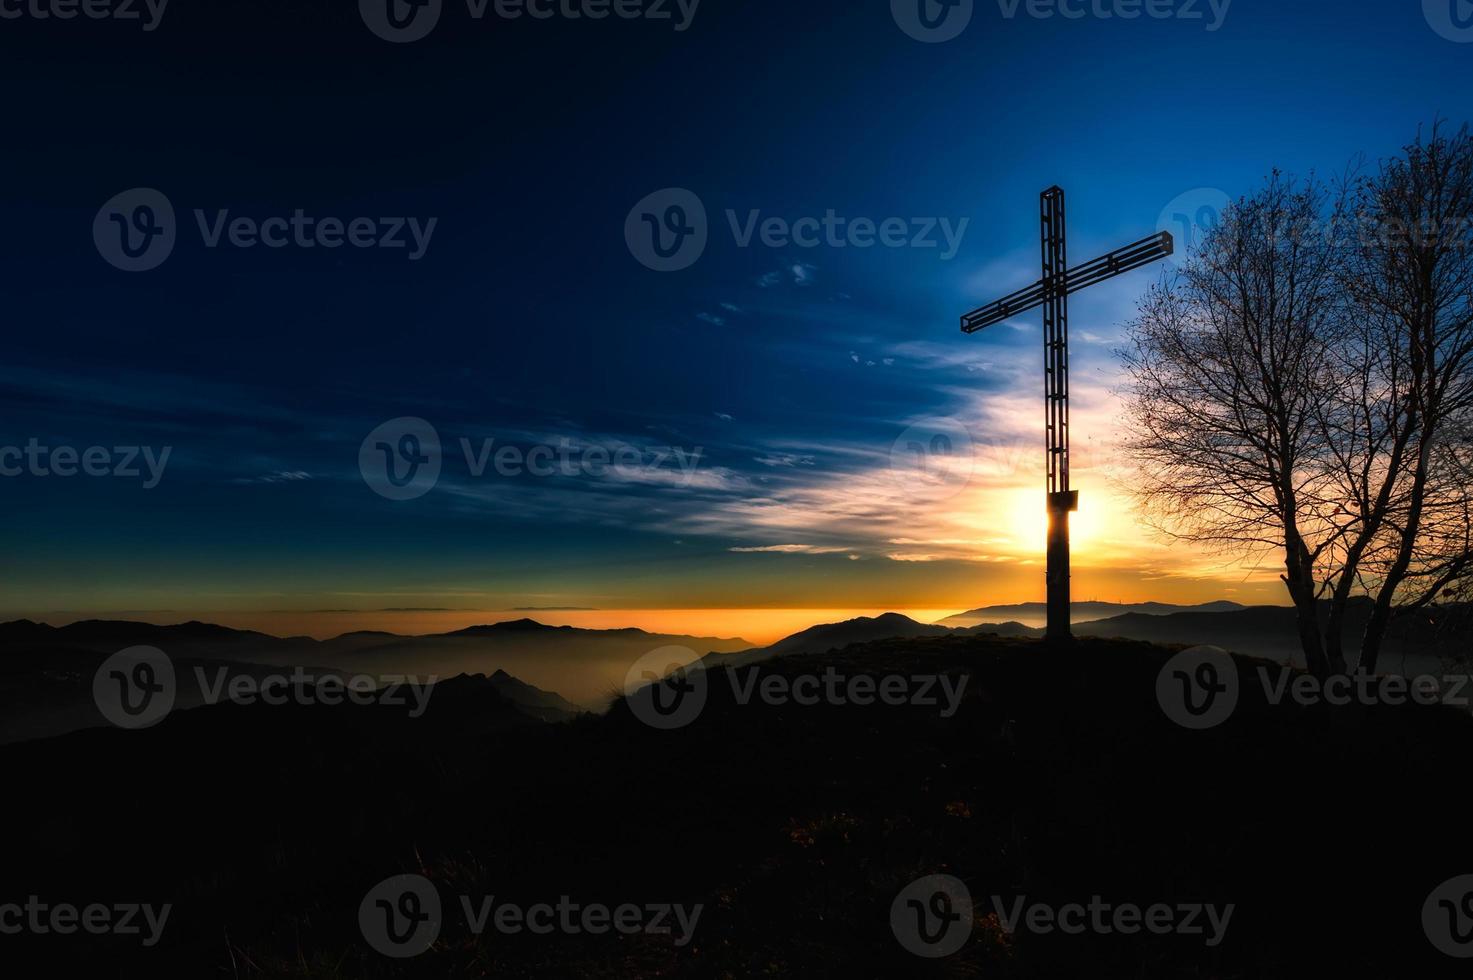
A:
x,y
527,320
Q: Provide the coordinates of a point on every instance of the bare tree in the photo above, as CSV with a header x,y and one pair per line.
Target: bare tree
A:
x,y
1228,374
1409,283
1309,394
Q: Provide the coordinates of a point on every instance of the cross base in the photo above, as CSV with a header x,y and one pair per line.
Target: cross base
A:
x,y
1060,505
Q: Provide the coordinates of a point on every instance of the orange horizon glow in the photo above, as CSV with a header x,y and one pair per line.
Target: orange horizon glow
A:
x,y
759,627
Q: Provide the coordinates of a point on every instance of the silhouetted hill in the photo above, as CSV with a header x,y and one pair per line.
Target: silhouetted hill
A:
x,y
1425,638
547,705
1035,613
1003,629
522,625
818,639
1058,779
1260,630
584,665
46,673
831,636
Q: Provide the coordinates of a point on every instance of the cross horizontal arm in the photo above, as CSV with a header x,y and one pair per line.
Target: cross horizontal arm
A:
x,y
1122,260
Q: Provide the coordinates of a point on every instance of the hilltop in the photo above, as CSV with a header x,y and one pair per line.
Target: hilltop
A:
x,y
1058,778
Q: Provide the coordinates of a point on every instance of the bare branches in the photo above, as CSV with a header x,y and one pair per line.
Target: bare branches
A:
x,y
1305,384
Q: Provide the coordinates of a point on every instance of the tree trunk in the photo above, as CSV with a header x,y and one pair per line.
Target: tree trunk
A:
x,y
1300,581
1370,650
1335,637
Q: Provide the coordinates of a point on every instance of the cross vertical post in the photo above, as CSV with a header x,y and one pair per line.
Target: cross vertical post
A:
x,y
1061,500
1052,293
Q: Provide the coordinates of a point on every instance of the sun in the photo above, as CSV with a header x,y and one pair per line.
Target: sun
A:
x,y
1028,527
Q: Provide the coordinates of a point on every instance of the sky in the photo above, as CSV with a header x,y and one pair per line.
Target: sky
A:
x,y
728,427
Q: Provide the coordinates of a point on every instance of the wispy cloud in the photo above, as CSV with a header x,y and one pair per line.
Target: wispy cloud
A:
x,y
791,549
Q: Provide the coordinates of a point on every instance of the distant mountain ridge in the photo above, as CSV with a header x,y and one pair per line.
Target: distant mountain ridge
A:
x,y
1035,613
585,666
554,672
1263,631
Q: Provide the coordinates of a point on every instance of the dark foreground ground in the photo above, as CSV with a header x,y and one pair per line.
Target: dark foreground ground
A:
x,y
795,827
